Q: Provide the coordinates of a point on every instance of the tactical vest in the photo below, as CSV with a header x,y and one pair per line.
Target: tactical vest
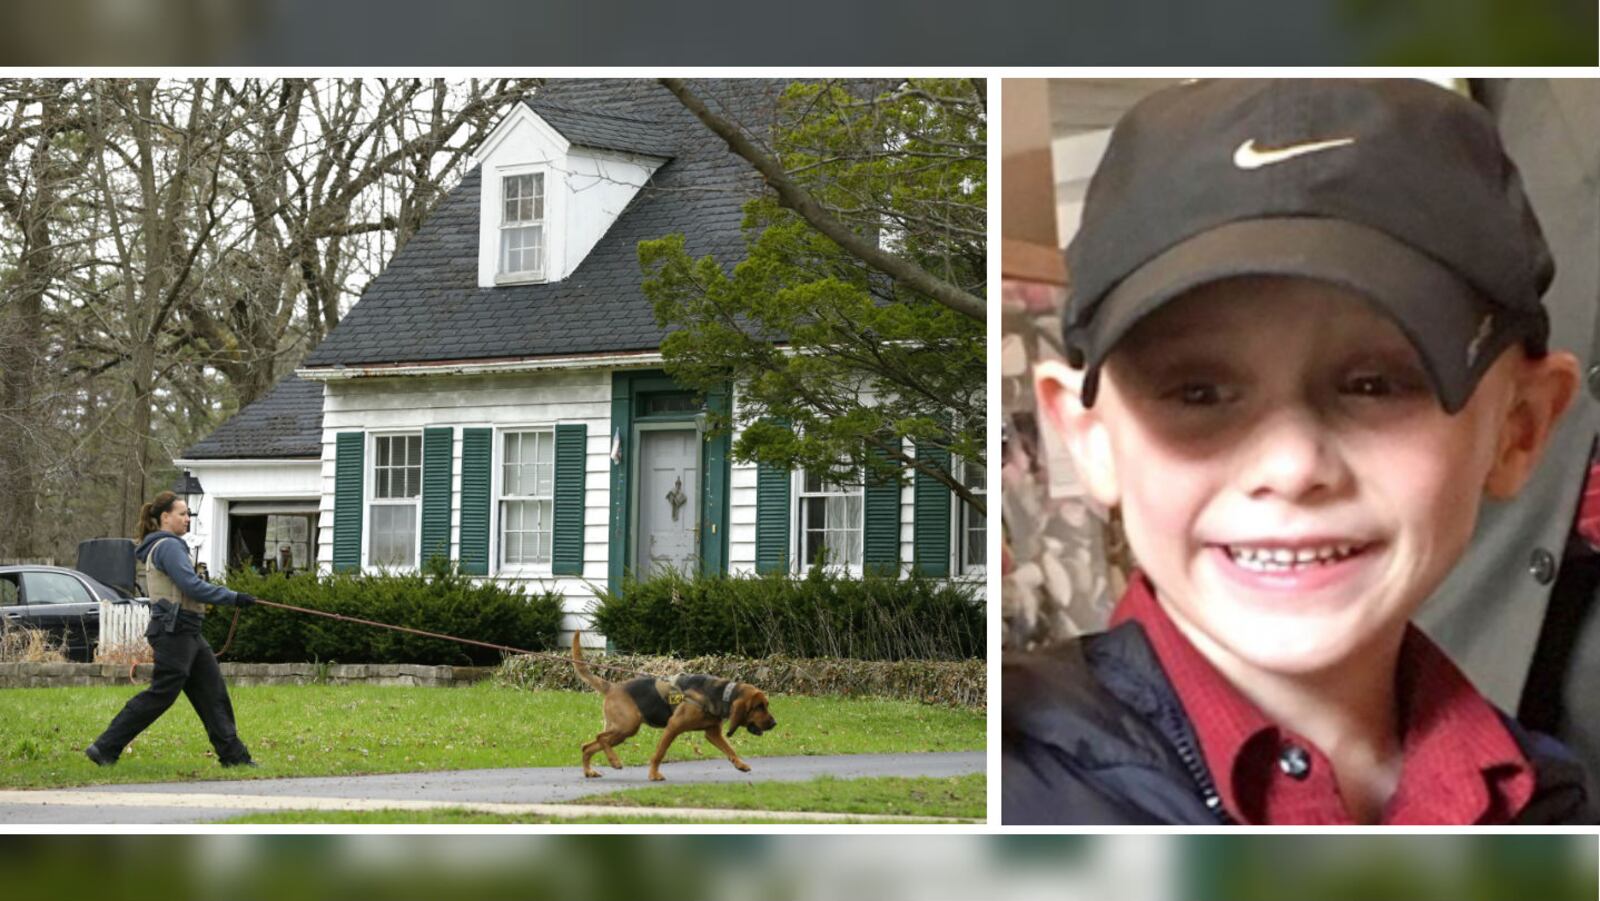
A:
x,y
161,586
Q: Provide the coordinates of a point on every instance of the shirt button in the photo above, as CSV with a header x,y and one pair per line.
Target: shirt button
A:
x,y
1542,565
1295,762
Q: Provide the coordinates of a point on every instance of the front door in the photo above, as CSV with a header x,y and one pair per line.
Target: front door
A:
x,y
669,494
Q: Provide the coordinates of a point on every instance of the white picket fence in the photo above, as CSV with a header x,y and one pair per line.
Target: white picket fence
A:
x,y
122,631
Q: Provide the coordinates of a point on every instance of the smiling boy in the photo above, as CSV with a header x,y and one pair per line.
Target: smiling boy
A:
x,y
1309,341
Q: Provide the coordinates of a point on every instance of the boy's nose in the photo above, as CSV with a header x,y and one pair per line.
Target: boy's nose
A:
x,y
1292,455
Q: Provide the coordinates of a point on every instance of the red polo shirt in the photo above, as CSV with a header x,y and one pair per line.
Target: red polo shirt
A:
x,y
1461,764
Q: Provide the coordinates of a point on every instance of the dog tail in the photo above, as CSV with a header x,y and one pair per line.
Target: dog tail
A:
x,y
595,682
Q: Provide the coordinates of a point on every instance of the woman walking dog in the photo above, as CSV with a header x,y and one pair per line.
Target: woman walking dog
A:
x,y
184,661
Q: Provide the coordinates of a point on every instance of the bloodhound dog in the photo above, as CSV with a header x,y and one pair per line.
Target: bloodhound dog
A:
x,y
684,703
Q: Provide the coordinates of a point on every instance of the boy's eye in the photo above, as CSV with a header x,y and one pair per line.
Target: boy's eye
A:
x,y
1368,386
1198,394
1375,384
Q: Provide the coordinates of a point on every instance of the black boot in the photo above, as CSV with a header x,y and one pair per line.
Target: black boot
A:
x,y
94,753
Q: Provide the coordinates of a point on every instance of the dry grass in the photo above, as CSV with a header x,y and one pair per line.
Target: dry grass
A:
x,y
953,683
125,653
19,644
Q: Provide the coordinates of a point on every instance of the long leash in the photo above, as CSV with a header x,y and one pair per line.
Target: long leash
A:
x,y
426,634
228,642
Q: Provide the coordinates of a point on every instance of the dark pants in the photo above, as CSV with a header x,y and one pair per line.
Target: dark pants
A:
x,y
184,663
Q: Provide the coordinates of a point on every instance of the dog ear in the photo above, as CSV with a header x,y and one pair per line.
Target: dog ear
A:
x,y
741,710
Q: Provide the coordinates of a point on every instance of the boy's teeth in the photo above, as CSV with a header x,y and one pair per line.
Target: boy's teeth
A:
x,y
1283,559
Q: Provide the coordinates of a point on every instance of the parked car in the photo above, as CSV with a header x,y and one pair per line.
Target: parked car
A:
x,y
63,602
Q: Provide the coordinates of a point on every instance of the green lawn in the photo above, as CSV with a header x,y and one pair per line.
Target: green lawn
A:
x,y
960,797
957,796
321,730
456,816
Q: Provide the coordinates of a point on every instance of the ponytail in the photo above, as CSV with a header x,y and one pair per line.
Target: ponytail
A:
x,y
150,514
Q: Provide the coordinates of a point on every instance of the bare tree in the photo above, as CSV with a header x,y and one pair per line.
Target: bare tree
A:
x,y
336,175
169,248
33,173
793,195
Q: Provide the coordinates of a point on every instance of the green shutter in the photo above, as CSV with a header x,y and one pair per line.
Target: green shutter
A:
x,y
436,450
476,470
621,438
566,539
880,528
772,519
349,475
716,457
930,529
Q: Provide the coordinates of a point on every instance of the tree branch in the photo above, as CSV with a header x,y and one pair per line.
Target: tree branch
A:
x,y
795,197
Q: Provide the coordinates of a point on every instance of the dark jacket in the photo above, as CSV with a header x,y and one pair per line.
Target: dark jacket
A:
x,y
172,558
1093,733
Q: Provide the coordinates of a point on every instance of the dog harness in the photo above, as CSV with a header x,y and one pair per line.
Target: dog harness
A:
x,y
646,695
715,695
656,705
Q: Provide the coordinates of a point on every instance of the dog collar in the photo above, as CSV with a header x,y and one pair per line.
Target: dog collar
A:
x,y
727,693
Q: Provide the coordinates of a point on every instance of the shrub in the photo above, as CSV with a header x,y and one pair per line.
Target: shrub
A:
x,y
24,644
439,599
819,615
951,683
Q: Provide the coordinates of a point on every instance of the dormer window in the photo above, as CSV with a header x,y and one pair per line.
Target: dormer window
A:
x,y
549,194
522,227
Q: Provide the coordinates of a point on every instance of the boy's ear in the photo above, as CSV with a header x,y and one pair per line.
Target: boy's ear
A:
x,y
1545,388
1059,389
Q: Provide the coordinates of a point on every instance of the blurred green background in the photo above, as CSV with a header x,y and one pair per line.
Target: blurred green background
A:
x,y
1474,32
481,866
822,32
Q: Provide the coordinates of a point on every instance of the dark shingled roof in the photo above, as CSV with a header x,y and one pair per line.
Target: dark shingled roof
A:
x,y
427,306
605,130
286,422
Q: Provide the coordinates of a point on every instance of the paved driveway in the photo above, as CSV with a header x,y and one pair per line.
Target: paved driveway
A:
x,y
509,791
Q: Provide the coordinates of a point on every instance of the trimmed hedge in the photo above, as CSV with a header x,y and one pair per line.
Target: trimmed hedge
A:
x,y
818,616
950,683
439,599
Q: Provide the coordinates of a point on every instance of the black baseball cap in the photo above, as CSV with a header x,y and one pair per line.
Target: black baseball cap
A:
x,y
1396,189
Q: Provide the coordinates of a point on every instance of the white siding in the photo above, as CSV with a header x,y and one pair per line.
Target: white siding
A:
x,y
525,399
742,508
497,401
226,481
742,520
598,187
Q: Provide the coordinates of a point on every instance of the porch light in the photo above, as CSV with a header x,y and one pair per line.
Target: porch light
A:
x,y
188,487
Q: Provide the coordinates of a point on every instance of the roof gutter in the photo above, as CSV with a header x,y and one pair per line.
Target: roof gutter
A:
x,y
242,462
479,367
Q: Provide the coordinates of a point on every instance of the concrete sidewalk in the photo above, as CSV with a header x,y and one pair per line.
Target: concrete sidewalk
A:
x,y
531,791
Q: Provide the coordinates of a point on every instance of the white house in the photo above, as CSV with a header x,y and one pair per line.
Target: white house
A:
x,y
497,396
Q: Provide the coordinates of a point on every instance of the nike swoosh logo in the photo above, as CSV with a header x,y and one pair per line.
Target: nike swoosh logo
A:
x,y
1248,156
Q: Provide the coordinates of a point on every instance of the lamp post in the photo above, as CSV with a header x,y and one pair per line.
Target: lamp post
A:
x,y
188,487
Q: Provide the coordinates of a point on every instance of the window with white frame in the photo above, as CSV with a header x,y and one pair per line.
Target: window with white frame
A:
x,y
522,231
396,500
527,496
972,526
830,520
287,545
